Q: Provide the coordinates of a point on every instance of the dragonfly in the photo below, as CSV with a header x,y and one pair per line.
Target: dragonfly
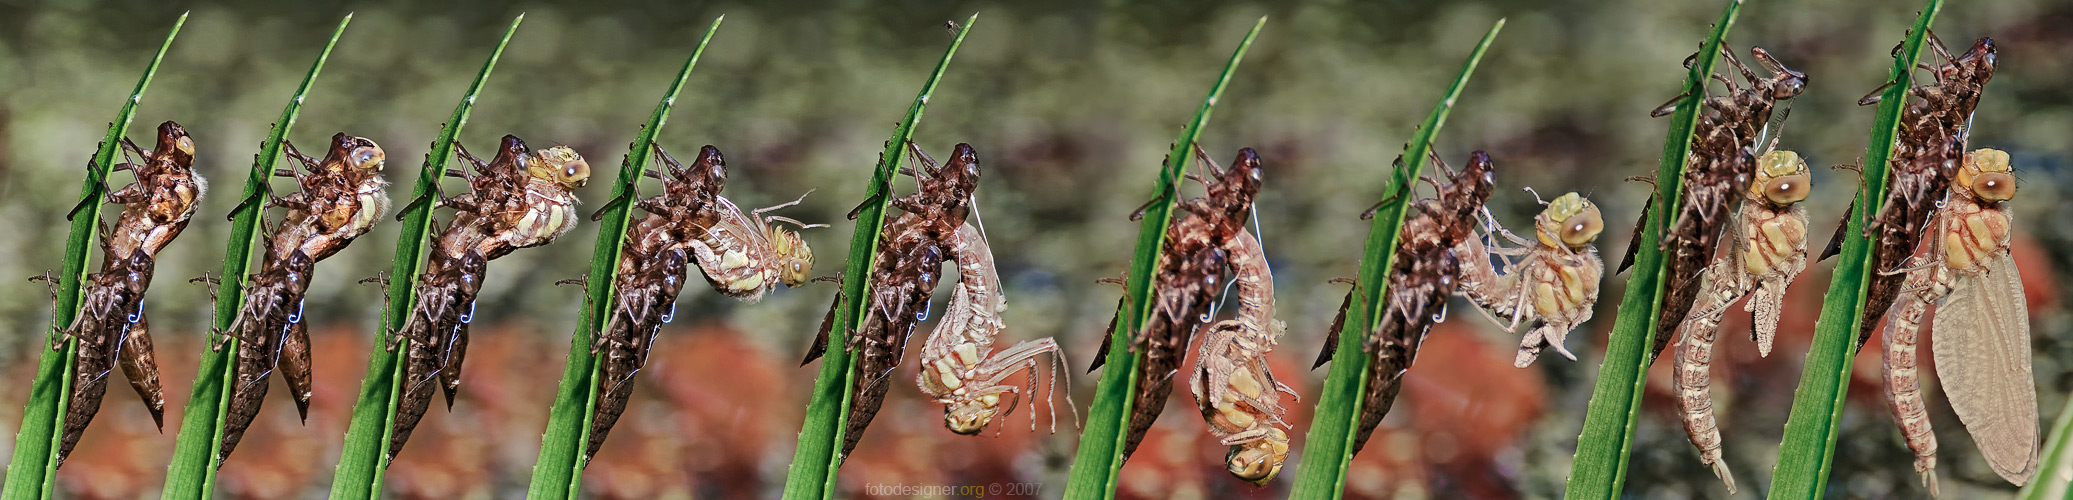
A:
x,y
1982,328
112,327
960,369
340,198
1552,284
1234,388
905,272
743,254
1722,162
521,198
1768,250
1919,175
1425,271
1189,281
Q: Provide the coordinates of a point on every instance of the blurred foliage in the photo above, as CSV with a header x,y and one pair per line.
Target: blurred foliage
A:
x,y
1061,99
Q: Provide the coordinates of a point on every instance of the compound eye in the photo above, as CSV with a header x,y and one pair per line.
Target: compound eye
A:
x,y
1786,190
1994,186
1580,229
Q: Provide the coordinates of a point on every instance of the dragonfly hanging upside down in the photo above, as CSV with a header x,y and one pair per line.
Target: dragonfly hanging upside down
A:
x,y
1236,391
960,370
912,248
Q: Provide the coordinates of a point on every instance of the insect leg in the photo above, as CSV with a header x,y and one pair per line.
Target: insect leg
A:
x,y
1669,107
1215,171
928,164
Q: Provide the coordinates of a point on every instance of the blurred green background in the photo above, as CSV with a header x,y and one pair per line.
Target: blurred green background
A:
x,y
1070,105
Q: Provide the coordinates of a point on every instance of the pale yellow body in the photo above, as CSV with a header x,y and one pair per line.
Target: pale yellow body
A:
x,y
744,256
1233,387
1982,330
1554,282
1768,250
956,367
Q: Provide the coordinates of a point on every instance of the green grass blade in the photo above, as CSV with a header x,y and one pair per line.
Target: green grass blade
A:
x,y
2052,481
1100,459
360,465
1808,449
1328,449
193,471
816,460
1600,466
34,467
559,471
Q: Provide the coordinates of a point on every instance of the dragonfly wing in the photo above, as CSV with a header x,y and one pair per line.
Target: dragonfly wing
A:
x,y
1982,345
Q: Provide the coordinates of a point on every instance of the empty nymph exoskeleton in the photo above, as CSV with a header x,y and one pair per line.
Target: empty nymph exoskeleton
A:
x,y
1553,282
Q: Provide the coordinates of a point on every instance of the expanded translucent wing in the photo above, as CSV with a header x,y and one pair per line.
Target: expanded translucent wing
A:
x,y
1982,344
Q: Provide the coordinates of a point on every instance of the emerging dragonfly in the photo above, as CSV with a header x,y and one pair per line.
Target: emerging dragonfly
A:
x,y
1425,272
522,198
905,272
1188,282
960,370
689,219
1233,387
1930,144
1768,250
1722,161
1982,330
340,199
111,324
1553,282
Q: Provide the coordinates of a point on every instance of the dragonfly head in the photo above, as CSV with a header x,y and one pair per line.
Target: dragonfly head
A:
x,y
795,257
968,415
1781,178
561,165
1569,221
1259,460
1987,174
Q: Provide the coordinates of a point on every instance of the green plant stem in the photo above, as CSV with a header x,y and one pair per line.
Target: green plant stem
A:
x,y
1328,449
1602,450
2051,481
1808,450
35,464
559,471
1100,459
365,457
193,471
817,460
